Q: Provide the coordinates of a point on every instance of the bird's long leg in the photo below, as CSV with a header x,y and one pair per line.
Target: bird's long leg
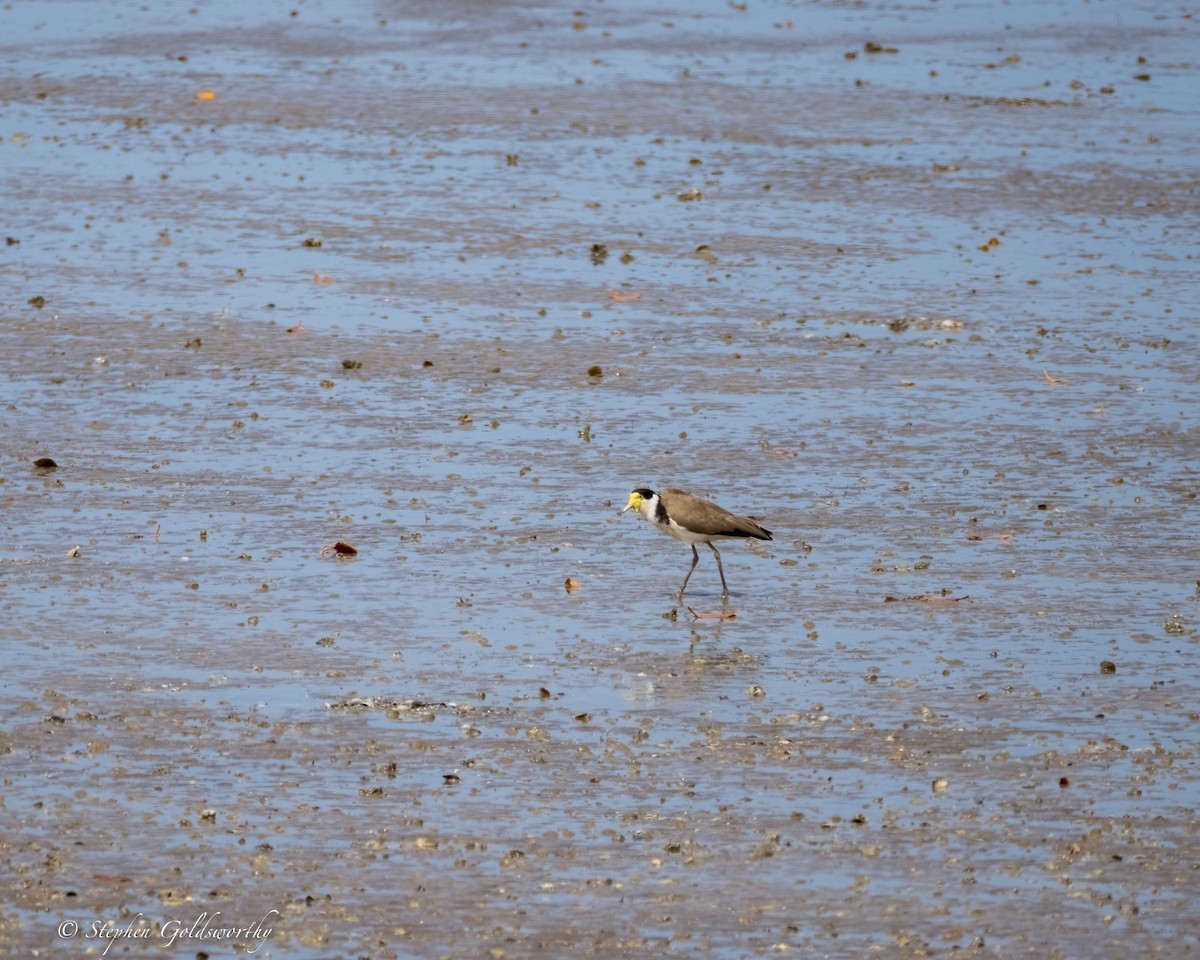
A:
x,y
720,570
695,560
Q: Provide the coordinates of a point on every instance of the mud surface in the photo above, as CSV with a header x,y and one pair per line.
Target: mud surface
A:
x,y
915,284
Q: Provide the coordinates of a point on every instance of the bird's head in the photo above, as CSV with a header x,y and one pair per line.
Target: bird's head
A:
x,y
643,500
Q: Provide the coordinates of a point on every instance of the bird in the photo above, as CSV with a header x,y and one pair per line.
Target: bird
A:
x,y
693,520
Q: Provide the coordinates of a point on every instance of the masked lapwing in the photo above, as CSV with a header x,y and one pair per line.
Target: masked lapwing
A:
x,y
692,520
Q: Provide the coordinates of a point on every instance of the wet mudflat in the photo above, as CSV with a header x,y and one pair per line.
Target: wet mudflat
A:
x,y
913,284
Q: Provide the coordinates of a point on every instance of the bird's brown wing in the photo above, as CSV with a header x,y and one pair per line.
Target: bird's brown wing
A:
x,y
702,516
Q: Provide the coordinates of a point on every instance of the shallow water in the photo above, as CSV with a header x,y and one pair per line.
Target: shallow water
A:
x,y
928,312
